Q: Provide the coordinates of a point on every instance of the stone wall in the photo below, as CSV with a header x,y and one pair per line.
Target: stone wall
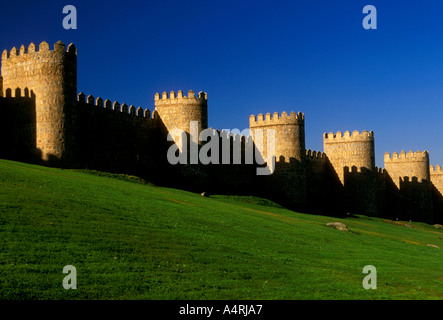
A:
x,y
18,128
436,176
118,138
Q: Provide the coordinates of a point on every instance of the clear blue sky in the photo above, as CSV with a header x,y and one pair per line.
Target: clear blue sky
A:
x,y
261,56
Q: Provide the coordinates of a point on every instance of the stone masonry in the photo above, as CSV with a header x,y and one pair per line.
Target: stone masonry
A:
x,y
45,121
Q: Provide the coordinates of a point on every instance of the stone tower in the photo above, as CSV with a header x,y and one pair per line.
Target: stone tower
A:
x,y
289,134
177,111
411,174
410,165
51,77
289,177
350,150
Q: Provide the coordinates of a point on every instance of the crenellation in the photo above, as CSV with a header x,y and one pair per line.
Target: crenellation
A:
x,y
347,136
436,170
99,102
13,52
31,48
59,47
407,157
72,49
201,95
43,47
124,108
90,100
172,98
108,104
140,112
276,119
116,106
315,155
81,97
132,110
22,50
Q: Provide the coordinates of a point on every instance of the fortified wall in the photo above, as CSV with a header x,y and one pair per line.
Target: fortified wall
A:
x,y
45,121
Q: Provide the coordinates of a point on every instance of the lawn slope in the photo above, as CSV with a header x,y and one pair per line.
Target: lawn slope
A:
x,y
132,240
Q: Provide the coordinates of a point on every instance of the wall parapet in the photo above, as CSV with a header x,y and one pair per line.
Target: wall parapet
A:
x,y
115,106
379,170
42,48
315,155
348,136
407,157
437,170
179,98
276,119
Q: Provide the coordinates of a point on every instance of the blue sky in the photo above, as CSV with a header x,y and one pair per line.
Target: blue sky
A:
x,y
261,56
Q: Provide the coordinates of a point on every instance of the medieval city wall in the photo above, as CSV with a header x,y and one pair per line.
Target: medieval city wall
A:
x,y
44,119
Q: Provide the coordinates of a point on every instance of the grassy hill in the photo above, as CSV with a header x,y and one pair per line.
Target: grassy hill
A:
x,y
132,240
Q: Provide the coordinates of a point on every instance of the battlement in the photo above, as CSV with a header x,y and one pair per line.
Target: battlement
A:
x,y
435,170
355,169
179,98
115,106
348,136
59,47
407,157
276,119
379,170
315,155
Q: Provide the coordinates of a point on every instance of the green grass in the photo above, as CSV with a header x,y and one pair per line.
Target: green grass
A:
x,y
132,240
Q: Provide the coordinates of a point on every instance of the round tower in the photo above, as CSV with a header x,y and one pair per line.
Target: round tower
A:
x,y
176,111
50,76
289,134
288,181
350,150
411,165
